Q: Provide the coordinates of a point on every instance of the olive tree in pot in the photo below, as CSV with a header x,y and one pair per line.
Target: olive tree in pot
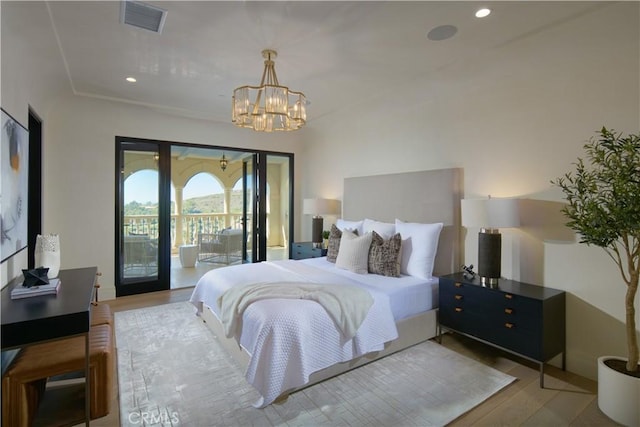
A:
x,y
603,207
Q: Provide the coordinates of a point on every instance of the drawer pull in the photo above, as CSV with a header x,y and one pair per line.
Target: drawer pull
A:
x,y
508,296
508,310
458,285
458,297
508,325
458,310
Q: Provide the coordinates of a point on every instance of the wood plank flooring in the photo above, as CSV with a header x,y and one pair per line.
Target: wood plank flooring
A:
x,y
567,399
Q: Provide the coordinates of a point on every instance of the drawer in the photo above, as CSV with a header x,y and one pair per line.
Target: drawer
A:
x,y
458,318
473,298
518,340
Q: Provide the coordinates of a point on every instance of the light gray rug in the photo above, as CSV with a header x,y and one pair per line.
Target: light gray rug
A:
x,y
172,371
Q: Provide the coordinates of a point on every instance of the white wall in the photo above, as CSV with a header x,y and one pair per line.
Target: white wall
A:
x,y
514,118
23,82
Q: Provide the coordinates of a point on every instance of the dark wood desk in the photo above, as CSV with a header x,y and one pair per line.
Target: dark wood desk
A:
x,y
49,317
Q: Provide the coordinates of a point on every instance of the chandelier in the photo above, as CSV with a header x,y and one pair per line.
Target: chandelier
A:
x,y
268,107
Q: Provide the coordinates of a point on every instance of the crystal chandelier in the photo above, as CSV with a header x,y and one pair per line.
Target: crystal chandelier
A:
x,y
268,107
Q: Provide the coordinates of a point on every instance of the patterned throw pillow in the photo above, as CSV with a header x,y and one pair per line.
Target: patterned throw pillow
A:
x,y
384,255
334,243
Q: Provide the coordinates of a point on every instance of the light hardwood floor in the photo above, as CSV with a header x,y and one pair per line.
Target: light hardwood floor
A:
x,y
567,399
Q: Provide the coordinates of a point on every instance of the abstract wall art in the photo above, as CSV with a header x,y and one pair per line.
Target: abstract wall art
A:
x,y
14,186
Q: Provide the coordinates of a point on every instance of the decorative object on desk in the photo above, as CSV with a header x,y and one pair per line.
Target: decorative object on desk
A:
x,y
603,208
489,215
14,186
318,207
47,253
468,272
268,107
50,288
35,277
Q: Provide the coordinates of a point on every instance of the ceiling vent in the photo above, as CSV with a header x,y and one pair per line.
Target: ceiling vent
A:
x,y
142,15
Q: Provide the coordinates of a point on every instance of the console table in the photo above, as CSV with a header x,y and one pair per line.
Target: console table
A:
x,y
49,317
521,318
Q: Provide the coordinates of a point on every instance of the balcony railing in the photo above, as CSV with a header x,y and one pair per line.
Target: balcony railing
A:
x,y
191,225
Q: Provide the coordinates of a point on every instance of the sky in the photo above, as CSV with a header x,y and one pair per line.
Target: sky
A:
x,y
142,186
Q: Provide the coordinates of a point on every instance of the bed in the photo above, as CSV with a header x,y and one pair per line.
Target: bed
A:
x,y
284,350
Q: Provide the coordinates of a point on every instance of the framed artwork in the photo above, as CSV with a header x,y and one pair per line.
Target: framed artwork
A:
x,y
14,186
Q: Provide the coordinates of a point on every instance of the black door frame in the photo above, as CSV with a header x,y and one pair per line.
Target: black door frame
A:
x,y
34,203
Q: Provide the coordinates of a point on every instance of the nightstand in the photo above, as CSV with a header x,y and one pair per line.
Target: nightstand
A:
x,y
304,250
521,318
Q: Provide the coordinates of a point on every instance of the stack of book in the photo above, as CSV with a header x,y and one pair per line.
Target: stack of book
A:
x,y
50,288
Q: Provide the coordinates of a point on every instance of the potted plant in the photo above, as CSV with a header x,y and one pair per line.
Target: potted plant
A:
x,y
325,239
603,207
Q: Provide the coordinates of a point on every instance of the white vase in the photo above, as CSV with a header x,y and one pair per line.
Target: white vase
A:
x,y
618,394
47,253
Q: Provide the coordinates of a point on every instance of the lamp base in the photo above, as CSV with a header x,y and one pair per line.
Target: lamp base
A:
x,y
316,231
489,255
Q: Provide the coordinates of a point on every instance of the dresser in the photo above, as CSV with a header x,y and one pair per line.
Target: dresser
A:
x,y
304,250
521,318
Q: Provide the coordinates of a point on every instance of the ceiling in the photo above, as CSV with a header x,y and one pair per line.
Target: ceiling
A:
x,y
337,53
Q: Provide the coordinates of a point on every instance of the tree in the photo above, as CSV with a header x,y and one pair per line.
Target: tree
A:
x,y
604,209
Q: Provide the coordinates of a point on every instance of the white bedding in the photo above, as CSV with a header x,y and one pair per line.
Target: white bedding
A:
x,y
408,295
288,340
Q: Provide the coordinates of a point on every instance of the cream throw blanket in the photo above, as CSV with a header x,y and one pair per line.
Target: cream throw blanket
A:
x,y
346,305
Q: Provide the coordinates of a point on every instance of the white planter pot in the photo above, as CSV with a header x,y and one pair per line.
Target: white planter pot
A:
x,y
618,394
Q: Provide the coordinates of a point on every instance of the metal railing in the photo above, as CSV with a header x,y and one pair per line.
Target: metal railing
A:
x,y
192,224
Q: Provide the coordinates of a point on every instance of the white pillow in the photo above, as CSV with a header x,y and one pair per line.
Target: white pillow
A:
x,y
354,252
419,246
350,225
386,230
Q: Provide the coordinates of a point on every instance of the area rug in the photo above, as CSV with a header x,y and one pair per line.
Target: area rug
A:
x,y
172,371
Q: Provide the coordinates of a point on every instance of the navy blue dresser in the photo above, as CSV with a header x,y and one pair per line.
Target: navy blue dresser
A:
x,y
521,318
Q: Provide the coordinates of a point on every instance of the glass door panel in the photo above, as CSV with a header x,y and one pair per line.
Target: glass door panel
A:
x,y
140,225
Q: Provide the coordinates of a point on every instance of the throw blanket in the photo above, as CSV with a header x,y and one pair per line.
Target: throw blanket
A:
x,y
346,305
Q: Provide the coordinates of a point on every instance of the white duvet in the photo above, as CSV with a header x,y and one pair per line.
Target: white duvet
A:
x,y
288,340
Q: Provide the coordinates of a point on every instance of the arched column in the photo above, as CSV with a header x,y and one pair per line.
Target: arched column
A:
x,y
179,240
227,206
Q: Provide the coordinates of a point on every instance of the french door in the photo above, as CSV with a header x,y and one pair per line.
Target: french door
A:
x,y
142,240
158,215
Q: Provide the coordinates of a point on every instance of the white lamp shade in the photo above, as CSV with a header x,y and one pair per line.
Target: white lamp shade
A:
x,y
490,213
321,207
503,213
474,212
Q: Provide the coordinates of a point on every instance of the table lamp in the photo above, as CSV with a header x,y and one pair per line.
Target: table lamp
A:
x,y
490,215
317,208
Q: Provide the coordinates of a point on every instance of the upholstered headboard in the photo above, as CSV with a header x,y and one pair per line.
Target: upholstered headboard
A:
x,y
424,196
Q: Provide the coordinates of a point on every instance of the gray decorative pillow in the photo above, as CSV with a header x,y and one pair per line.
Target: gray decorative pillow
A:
x,y
334,242
384,255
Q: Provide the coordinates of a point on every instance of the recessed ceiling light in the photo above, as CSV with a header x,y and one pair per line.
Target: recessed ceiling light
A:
x,y
131,79
481,13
